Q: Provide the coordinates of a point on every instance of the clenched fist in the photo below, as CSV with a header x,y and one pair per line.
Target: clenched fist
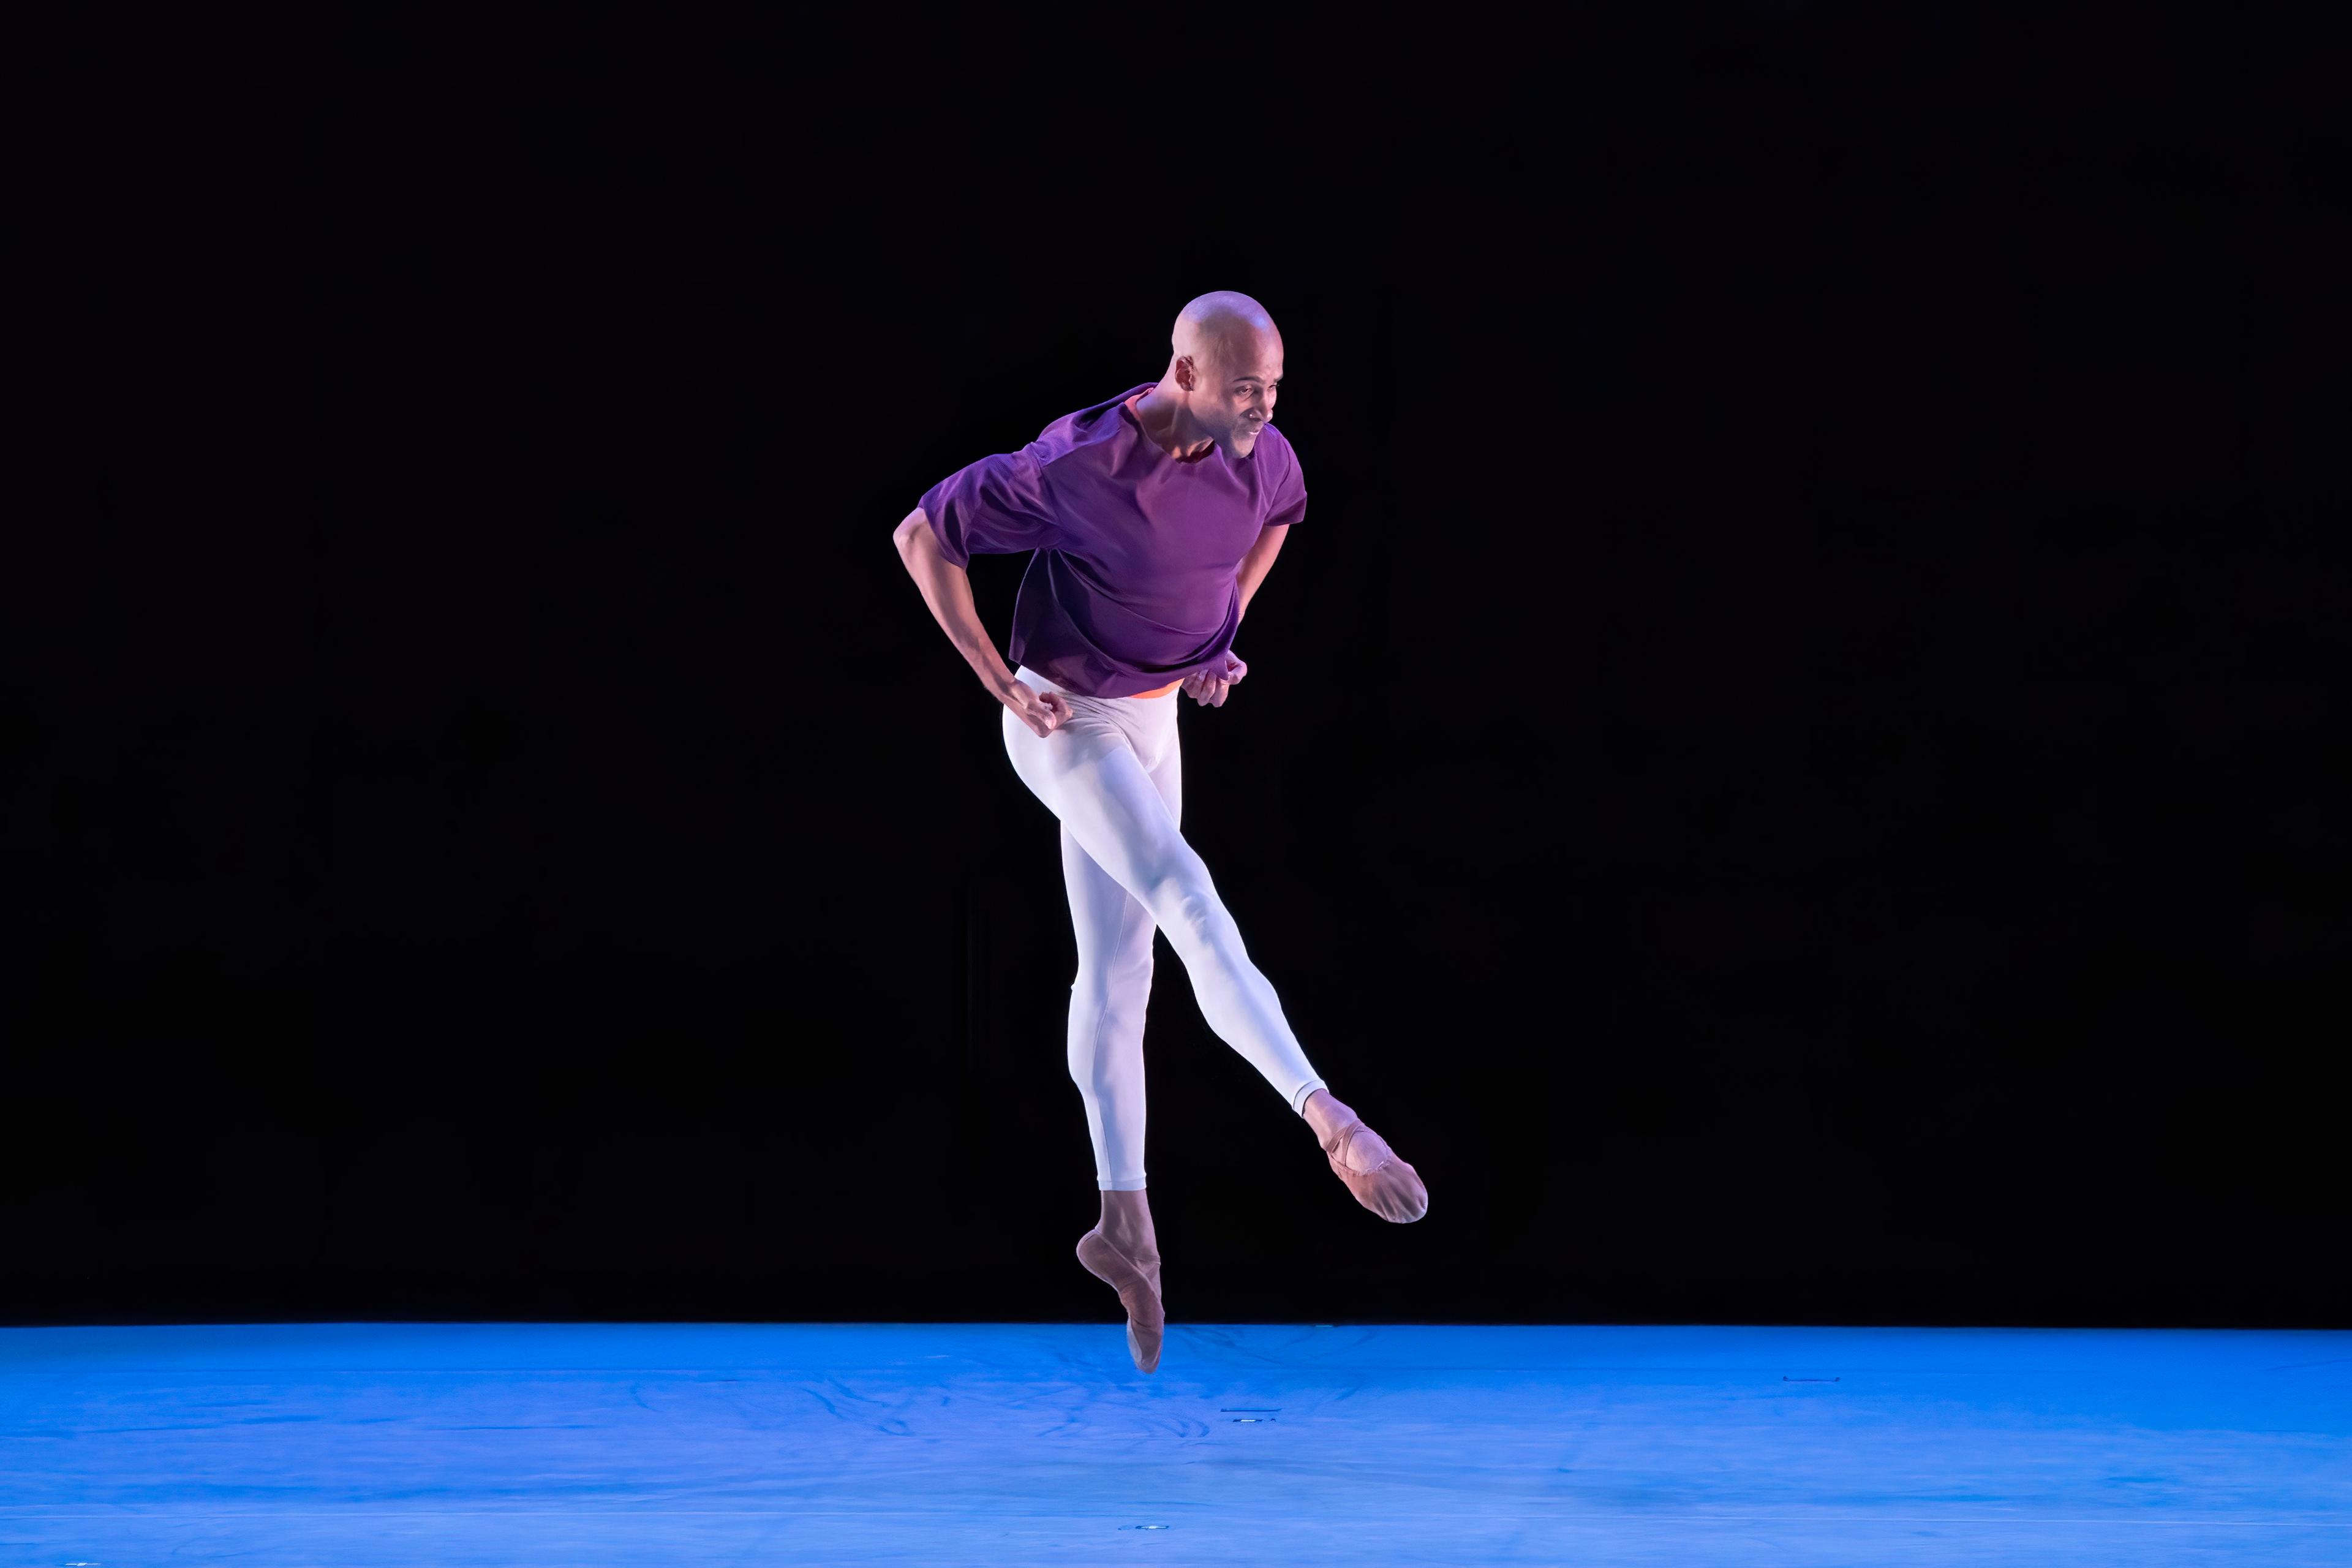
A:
x,y
1043,712
1209,691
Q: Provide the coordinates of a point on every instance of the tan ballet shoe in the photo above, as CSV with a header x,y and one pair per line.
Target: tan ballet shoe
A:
x,y
1146,1321
1390,1189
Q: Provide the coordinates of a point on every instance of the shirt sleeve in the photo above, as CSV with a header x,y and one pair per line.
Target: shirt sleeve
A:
x,y
995,507
1289,503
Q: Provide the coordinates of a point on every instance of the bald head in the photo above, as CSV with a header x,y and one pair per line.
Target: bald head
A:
x,y
1223,331
1223,373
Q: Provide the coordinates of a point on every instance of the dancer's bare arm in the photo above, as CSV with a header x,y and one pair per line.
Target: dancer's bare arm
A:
x,y
1211,691
947,589
1260,561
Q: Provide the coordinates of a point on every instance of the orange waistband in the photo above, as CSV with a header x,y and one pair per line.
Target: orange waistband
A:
x,y
1161,692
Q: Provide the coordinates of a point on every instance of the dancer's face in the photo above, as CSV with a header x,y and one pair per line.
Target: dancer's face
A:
x,y
1233,399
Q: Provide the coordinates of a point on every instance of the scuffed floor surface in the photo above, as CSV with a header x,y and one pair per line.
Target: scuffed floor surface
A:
x,y
456,1444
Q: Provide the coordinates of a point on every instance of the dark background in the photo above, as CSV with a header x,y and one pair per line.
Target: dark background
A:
x,y
1784,768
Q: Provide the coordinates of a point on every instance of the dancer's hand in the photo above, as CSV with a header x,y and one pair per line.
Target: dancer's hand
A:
x,y
1042,711
1209,691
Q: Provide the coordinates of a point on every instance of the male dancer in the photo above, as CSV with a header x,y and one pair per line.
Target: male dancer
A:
x,y
1154,516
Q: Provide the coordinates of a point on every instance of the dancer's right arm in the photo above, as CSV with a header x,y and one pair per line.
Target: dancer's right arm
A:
x,y
947,589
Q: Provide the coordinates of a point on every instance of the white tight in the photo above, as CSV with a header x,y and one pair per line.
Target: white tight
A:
x,y
1114,774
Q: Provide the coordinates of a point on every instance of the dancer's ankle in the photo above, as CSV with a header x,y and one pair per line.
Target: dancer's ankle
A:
x,y
1326,1113
1125,1223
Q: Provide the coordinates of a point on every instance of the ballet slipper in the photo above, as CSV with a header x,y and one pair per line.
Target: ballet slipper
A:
x,y
1390,1189
1146,1321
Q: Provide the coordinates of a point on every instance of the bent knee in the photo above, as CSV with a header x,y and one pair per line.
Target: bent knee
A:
x,y
1198,916
1180,888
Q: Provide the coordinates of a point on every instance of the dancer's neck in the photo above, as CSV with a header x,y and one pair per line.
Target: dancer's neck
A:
x,y
1171,428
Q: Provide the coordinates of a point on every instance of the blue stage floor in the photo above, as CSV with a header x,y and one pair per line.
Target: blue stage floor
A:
x,y
1004,1444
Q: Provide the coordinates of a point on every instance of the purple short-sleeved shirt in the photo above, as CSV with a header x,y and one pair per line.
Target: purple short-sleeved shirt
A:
x,y
1134,583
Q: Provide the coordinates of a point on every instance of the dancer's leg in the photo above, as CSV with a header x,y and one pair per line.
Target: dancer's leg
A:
x,y
1362,1157
1107,1006
1091,779
1126,821
1108,999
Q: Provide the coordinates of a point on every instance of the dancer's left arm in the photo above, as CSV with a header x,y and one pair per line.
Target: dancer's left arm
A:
x,y
1209,690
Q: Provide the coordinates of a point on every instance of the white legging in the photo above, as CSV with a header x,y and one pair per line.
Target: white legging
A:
x,y
1114,774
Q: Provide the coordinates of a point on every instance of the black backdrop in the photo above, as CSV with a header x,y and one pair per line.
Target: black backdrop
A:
x,y
1783,767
